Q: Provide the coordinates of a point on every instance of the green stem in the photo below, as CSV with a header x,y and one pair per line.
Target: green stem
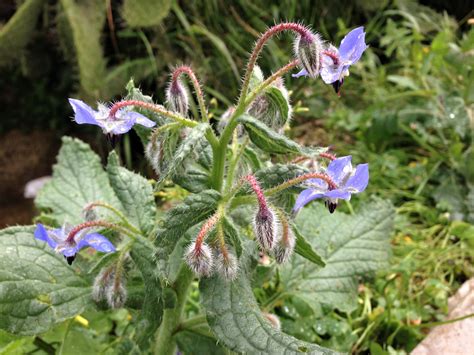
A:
x,y
165,344
193,322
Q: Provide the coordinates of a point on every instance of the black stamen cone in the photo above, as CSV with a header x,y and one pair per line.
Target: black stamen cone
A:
x,y
70,259
337,85
331,206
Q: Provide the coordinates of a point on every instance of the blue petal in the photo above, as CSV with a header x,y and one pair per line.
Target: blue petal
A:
x,y
96,241
42,234
353,45
302,72
69,250
359,181
124,126
83,113
140,119
339,168
306,197
331,73
338,193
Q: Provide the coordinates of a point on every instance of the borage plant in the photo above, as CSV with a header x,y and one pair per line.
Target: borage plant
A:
x,y
241,212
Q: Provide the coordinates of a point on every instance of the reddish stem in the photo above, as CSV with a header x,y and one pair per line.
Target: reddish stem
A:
x,y
334,56
328,156
121,104
206,227
262,202
305,33
78,228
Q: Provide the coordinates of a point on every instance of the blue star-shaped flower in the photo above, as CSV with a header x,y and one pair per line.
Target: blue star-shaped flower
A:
x,y
120,123
56,239
348,180
336,62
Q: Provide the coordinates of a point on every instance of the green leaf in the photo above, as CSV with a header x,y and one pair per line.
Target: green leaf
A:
x,y
18,31
192,179
232,233
185,149
194,209
352,246
278,174
37,287
303,248
145,13
272,142
234,315
192,343
135,194
152,309
78,179
86,19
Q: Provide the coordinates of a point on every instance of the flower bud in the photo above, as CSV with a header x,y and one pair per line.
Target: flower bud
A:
x,y
153,153
273,319
266,227
199,259
285,246
101,283
116,294
177,98
308,50
227,266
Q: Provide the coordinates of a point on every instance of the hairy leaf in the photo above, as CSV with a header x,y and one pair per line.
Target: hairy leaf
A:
x,y
78,179
16,34
234,315
194,209
135,194
37,287
145,13
279,173
186,148
304,249
352,246
152,307
272,142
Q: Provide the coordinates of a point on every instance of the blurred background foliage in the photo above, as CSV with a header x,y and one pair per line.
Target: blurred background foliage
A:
x,y
407,109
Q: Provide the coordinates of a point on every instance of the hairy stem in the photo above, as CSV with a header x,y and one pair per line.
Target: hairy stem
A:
x,y
165,344
152,107
85,225
184,69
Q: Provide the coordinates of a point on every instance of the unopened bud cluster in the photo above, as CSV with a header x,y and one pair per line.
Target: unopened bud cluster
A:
x,y
110,288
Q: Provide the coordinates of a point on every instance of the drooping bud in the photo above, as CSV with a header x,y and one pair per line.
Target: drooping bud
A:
x,y
199,259
273,319
227,266
153,153
116,294
266,227
177,97
101,283
285,246
308,50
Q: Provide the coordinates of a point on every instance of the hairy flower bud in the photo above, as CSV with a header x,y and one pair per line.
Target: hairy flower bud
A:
x,y
227,266
116,294
273,319
199,259
266,227
154,155
308,50
285,246
177,97
101,283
